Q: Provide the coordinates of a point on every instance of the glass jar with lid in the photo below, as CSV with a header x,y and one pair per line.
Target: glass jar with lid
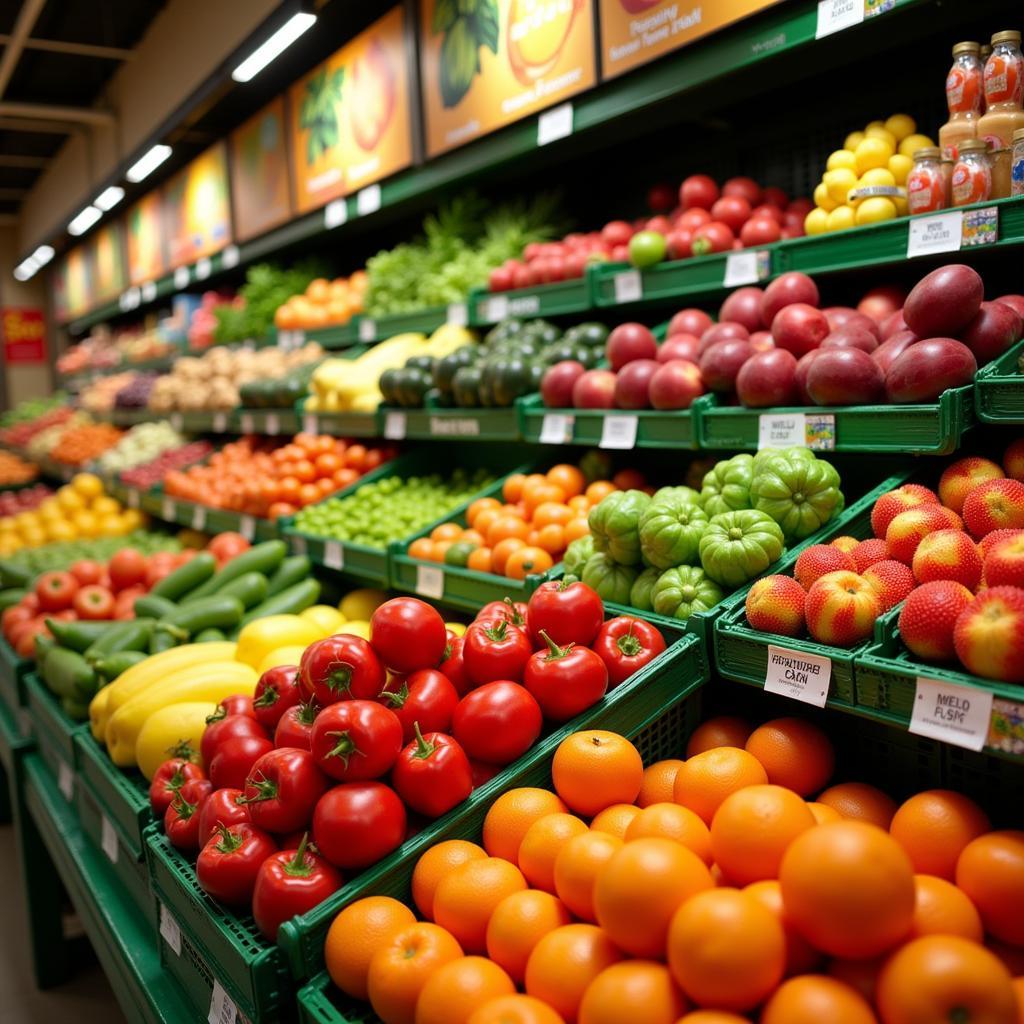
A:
x,y
926,187
1004,114
1017,164
964,97
972,174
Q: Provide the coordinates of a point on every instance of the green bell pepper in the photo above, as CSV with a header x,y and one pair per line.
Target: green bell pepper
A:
x,y
640,594
687,494
800,495
670,532
726,488
576,555
682,591
612,581
737,546
615,525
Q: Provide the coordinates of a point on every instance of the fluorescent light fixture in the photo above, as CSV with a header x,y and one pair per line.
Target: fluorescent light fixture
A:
x,y
109,198
148,163
28,267
22,273
42,255
84,221
273,47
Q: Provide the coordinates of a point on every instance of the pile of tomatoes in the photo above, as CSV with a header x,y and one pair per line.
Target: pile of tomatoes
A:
x,y
364,739
262,477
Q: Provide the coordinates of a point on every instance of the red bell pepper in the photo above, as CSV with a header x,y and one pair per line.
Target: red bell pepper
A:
x,y
432,775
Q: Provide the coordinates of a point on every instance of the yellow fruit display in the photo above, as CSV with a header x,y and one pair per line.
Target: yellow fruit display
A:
x,y
912,143
872,152
362,603
841,158
822,199
325,617
838,183
875,210
899,167
840,218
88,485
280,656
816,222
853,140
901,125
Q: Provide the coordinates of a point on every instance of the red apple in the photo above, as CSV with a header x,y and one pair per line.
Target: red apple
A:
x,y
799,328
689,321
845,376
844,316
761,231
851,336
767,378
744,307
675,385
927,368
775,196
698,190
762,341
628,342
720,363
882,302
887,352
745,188
733,210
632,383
803,367
721,332
994,329
785,290
679,346
945,301
594,389
892,324
1015,301
556,386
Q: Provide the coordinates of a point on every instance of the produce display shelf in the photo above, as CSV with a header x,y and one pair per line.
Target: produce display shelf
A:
x,y
194,516
417,321
340,424
999,388
337,337
657,707
54,733
12,686
13,742
76,380
560,298
440,423
120,934
269,422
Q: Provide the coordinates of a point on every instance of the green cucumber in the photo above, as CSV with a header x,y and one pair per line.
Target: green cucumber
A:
x,y
209,636
12,575
132,635
291,571
77,636
250,589
68,674
194,573
264,558
220,611
110,666
295,599
75,708
11,596
152,606
44,644
162,640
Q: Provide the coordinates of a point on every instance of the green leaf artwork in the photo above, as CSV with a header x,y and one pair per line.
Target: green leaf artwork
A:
x,y
466,25
319,114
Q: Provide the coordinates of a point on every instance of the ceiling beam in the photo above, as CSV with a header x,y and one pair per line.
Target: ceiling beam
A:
x,y
82,115
78,49
28,124
26,20
12,160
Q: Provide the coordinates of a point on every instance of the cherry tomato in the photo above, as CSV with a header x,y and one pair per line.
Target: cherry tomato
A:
x,y
565,680
407,634
296,726
427,697
341,667
55,591
357,823
282,789
93,602
235,757
289,883
168,779
87,571
277,691
495,649
231,859
432,774
355,740
454,667
497,722
222,808
570,613
625,644
220,729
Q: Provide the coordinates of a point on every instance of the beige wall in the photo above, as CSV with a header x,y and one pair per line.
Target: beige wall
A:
x,y
30,380
183,47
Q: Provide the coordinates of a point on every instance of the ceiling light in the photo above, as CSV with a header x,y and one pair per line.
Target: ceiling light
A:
x,y
42,255
273,47
26,269
84,221
148,163
109,198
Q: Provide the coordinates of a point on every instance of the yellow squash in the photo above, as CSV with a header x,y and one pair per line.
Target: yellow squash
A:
x,y
261,636
280,656
167,730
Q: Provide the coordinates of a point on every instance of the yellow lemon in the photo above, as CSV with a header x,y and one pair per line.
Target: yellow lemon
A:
x,y
458,628
105,505
841,158
872,152
24,519
853,140
357,627
841,218
875,210
87,524
899,166
362,603
62,530
133,519
34,537
821,197
110,525
883,133
70,500
88,485
49,508
816,222
838,183
877,176
902,207
912,143
901,125
873,124
325,617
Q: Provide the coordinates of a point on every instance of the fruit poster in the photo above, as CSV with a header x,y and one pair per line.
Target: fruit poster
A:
x,y
350,117
107,258
197,208
145,238
260,192
634,32
24,334
487,63
74,288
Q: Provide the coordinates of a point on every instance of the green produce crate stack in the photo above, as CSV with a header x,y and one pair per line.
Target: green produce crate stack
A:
x,y
999,388
54,734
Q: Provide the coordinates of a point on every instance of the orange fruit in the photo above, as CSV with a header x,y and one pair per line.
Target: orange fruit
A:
x,y
712,1017
541,845
860,975
478,506
466,897
551,513
823,814
640,888
503,551
795,754
614,820
848,888
512,488
801,956
1018,989
940,908
527,561
576,527
480,560
446,531
706,779
636,990
356,934
726,949
670,821
657,783
568,477
577,865
991,871
518,923
934,827
434,865
599,490
455,990
859,801
723,731
945,978
422,547
401,967
565,962
594,769
517,1009
753,828
510,817
814,999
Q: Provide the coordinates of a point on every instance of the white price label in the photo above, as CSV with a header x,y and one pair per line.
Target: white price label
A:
x,y
367,330
181,278
149,291
954,714
169,930
247,527
618,432
177,421
298,545
247,423
629,286
495,308
781,430
556,428
368,200
835,15
168,510
108,839
199,517
394,426
799,676
220,422
942,232
335,214
203,268
334,554
272,425
229,257
310,425
66,781
133,499
430,581
458,314
741,268
222,1006
554,124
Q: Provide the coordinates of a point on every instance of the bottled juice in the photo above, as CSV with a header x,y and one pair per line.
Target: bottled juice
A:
x,y
1004,114
964,92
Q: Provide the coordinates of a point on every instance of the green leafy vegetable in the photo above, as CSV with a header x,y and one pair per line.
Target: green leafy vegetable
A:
x,y
319,113
467,25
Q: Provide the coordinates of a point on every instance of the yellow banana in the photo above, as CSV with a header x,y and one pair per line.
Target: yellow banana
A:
x,y
166,729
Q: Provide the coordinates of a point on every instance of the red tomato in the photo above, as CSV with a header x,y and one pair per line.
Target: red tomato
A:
x,y
169,778
221,728
235,757
427,697
514,611
230,862
94,602
743,188
236,704
181,820
226,546
408,634
454,667
221,808
625,644
432,774
295,727
290,883
156,572
497,722
127,569
87,571
712,237
56,591
570,613
13,615
731,210
282,789
565,680
357,823
495,649
277,691
679,244
698,190
760,231
353,740
341,667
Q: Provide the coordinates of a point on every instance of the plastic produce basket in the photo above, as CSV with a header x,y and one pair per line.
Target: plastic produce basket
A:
x,y
999,388
54,733
12,685
557,299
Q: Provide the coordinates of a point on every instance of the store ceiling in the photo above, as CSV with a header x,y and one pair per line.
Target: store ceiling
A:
x,y
56,57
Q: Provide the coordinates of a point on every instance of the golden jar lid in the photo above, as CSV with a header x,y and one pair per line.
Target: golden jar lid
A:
x,y
973,146
927,153
1006,37
971,48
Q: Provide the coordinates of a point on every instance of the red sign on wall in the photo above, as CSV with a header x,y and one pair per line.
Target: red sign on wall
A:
x,y
24,335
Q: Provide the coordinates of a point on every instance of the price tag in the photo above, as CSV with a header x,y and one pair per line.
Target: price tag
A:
x,y
247,423
247,527
835,15
496,308
169,930
394,426
334,554
168,510
335,214
108,839
458,314
629,286
149,291
181,278
203,268
133,499
177,421
430,581
554,124
298,545
799,676
367,330
741,268
368,200
556,428
66,781
942,232
229,257
954,714
199,517
222,1006
781,430
618,432
310,424
220,422
273,426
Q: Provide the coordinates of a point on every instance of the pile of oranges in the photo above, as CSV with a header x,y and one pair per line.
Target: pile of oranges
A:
x,y
540,516
258,477
323,304
713,890
15,470
84,442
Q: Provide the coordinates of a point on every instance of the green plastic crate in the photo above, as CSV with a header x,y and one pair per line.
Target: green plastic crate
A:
x,y
556,299
12,745
934,428
999,388
267,422
206,518
444,423
54,733
654,705
122,795
339,424
332,338
12,686
418,321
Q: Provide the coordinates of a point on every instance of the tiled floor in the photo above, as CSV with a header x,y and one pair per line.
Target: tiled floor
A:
x,y
87,997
